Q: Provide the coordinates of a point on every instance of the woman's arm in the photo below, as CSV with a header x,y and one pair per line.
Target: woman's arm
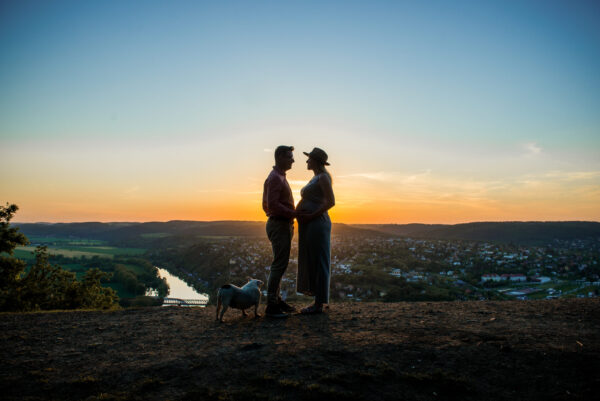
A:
x,y
325,184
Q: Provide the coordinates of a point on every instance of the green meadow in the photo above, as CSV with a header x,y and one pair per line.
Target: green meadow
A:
x,y
156,235
74,248
59,241
79,252
71,251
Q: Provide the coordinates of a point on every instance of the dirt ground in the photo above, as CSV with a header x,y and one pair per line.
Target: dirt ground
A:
x,y
509,350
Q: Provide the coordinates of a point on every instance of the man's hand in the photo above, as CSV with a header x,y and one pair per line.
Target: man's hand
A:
x,y
305,217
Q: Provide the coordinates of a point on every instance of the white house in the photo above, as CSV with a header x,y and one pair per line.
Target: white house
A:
x,y
346,268
490,277
514,277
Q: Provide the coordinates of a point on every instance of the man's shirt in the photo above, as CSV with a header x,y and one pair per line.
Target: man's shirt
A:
x,y
277,195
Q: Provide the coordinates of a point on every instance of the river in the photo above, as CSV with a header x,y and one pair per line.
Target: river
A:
x,y
179,288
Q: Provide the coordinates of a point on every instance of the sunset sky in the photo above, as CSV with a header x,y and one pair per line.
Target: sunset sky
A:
x,y
430,111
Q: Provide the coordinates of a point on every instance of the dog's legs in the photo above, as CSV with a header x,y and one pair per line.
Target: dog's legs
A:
x,y
256,315
223,312
218,306
244,312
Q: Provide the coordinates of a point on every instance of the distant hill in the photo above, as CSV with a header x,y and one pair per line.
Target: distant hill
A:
x,y
125,232
506,232
403,230
512,231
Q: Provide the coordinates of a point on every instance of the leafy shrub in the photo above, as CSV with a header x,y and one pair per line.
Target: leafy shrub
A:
x,y
45,286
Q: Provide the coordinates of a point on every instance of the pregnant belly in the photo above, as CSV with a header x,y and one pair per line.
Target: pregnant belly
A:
x,y
307,206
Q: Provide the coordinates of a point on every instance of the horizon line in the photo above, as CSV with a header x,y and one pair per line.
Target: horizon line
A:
x,y
349,224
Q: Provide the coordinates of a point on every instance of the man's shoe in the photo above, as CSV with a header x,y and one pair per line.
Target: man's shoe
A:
x,y
273,310
287,308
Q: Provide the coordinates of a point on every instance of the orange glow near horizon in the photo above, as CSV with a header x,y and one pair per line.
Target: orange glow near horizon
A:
x,y
183,188
349,210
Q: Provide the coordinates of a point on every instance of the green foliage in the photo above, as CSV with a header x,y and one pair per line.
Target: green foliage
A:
x,y
140,302
129,280
138,275
10,237
10,268
45,286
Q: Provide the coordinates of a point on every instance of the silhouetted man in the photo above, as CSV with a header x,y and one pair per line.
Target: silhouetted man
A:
x,y
278,204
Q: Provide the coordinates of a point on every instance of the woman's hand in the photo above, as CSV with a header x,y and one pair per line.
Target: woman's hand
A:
x,y
305,217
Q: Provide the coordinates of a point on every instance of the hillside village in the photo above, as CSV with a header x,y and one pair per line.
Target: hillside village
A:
x,y
382,268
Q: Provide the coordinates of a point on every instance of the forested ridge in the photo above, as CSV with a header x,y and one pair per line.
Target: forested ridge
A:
x,y
132,234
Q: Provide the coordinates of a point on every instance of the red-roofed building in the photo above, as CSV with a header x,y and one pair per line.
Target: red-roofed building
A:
x,y
514,277
490,277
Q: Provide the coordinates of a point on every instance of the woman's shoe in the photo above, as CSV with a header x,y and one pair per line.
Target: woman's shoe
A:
x,y
312,310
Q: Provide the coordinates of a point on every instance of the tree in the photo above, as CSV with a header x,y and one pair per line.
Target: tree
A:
x,y
10,268
45,286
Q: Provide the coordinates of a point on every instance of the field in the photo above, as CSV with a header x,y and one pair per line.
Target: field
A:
x,y
81,248
78,249
156,235
509,350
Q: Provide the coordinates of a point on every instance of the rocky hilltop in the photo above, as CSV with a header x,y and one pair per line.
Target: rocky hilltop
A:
x,y
525,350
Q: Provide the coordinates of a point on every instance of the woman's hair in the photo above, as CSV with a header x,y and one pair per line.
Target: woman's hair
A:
x,y
325,171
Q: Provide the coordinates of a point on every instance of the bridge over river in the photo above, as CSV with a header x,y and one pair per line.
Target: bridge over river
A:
x,y
180,292
184,302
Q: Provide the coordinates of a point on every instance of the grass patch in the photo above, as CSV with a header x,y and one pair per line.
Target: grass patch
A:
x,y
24,254
66,252
106,250
156,235
35,239
109,252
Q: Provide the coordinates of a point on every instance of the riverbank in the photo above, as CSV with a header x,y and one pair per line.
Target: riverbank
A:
x,y
525,350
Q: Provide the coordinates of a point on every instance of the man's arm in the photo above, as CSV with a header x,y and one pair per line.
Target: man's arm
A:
x,y
274,190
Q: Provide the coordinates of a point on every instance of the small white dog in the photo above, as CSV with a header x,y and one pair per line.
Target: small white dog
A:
x,y
231,296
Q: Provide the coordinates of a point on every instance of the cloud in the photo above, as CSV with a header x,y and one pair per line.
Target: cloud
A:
x,y
388,176
532,149
132,190
429,188
378,176
226,191
573,175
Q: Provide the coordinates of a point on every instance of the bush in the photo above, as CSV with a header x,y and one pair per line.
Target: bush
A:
x,y
46,286
142,301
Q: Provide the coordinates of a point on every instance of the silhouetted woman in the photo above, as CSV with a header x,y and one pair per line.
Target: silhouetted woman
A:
x,y
314,233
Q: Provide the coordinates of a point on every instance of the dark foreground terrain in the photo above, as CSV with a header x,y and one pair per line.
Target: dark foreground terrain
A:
x,y
521,350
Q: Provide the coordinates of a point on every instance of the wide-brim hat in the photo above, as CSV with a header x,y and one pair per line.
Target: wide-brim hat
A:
x,y
318,155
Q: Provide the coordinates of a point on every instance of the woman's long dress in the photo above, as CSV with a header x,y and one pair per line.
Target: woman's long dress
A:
x,y
314,245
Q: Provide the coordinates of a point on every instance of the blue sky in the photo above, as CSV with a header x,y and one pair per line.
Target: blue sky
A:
x,y
483,91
